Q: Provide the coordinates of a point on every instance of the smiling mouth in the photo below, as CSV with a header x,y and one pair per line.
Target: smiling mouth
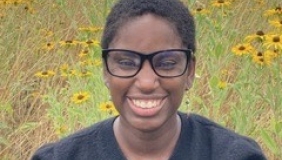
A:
x,y
146,104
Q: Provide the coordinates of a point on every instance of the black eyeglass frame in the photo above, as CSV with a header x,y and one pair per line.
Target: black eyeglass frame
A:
x,y
149,57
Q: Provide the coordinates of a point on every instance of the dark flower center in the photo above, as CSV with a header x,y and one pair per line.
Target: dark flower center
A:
x,y
276,39
261,59
199,9
260,33
108,106
80,97
259,54
241,48
48,44
89,42
278,9
85,51
220,1
44,73
68,41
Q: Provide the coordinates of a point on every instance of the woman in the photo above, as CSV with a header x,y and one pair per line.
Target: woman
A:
x,y
148,56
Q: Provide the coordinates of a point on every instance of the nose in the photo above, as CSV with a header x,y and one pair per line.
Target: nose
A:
x,y
146,79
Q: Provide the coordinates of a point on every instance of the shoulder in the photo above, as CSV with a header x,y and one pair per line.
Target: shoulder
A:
x,y
77,144
222,142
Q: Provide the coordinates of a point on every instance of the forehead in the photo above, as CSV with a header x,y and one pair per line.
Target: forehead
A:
x,y
147,33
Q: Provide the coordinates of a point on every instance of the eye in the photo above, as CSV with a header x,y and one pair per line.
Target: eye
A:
x,y
165,65
127,64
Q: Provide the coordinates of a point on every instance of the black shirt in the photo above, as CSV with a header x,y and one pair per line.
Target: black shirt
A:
x,y
200,139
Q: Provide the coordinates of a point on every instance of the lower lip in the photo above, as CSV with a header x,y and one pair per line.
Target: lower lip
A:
x,y
145,112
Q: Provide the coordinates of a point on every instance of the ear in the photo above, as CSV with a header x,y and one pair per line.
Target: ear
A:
x,y
191,74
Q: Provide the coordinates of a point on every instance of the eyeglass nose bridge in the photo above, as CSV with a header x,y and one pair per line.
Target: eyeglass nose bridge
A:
x,y
148,57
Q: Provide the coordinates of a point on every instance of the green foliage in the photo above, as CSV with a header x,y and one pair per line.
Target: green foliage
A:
x,y
54,83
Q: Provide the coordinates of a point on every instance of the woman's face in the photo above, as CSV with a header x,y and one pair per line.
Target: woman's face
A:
x,y
147,101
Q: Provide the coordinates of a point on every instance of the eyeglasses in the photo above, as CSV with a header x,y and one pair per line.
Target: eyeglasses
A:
x,y
165,63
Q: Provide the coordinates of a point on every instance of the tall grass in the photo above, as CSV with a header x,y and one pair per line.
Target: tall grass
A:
x,y
51,81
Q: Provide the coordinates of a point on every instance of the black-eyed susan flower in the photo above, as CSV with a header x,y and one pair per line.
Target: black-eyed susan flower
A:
x,y
91,62
243,49
68,43
90,43
80,97
262,58
91,29
45,74
83,53
64,70
97,62
48,46
277,23
64,67
273,42
61,130
108,107
200,11
29,9
84,74
73,72
221,3
46,32
257,37
222,84
272,12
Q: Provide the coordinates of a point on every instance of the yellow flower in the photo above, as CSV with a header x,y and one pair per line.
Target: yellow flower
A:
x,y
64,67
45,74
84,74
61,130
68,43
243,49
258,37
273,42
222,84
97,62
48,46
263,58
272,12
89,43
109,108
277,23
200,11
83,53
46,32
73,72
91,29
29,9
80,97
64,70
220,3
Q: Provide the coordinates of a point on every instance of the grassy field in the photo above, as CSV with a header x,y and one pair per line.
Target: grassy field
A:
x,y
51,82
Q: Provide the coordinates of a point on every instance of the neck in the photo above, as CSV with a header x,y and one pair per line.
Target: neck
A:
x,y
156,143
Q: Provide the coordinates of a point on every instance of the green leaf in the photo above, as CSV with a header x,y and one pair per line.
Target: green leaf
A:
x,y
269,141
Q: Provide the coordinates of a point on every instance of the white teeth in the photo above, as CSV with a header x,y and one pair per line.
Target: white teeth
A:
x,y
146,103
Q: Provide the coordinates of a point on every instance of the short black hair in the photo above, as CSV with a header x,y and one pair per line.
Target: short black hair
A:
x,y
173,11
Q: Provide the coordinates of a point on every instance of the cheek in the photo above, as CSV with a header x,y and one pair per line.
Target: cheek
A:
x,y
118,89
176,89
